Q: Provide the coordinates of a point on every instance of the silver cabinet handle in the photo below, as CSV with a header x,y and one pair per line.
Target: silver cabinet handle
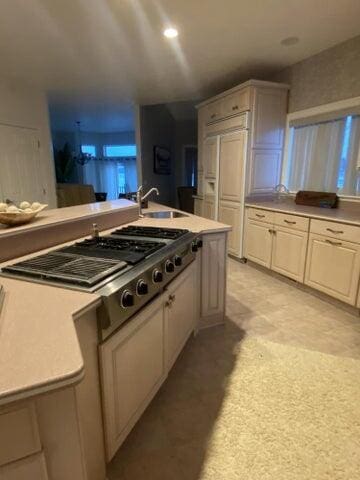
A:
x,y
235,107
213,115
273,232
172,297
336,244
259,216
289,222
334,231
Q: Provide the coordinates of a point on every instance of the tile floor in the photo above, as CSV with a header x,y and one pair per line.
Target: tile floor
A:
x,y
170,440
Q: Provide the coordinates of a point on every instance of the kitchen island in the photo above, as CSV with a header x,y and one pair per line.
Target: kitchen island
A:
x,y
49,363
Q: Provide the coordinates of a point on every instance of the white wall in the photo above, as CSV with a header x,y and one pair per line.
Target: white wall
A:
x,y
26,106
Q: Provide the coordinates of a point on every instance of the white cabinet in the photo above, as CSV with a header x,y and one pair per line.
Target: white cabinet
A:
x,y
230,214
133,368
283,249
289,252
333,267
29,468
232,164
213,278
210,157
180,312
258,242
264,170
209,207
135,360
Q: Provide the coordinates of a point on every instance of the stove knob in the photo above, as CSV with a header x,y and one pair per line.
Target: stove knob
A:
x,y
127,299
194,247
177,261
169,266
142,287
157,276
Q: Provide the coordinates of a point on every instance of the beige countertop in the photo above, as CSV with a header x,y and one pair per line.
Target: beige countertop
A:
x,y
39,349
63,215
343,215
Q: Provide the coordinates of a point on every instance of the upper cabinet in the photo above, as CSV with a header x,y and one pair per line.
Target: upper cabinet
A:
x,y
269,118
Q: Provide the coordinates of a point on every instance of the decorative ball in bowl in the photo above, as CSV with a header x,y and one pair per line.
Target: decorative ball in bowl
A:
x,y
11,214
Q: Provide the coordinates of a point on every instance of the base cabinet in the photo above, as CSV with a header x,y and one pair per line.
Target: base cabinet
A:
x,y
180,313
333,267
230,214
258,242
213,279
133,368
289,253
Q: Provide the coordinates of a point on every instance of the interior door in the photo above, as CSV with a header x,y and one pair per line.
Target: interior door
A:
x,y
232,162
21,175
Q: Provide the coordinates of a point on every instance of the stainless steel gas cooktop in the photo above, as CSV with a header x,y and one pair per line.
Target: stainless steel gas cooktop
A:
x,y
127,268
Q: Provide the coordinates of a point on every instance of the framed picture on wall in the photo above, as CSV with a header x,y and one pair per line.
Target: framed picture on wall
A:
x,y
162,159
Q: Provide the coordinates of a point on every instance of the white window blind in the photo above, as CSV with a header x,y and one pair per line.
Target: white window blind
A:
x,y
324,156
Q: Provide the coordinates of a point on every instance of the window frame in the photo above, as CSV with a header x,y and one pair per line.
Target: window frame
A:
x,y
105,146
89,145
308,113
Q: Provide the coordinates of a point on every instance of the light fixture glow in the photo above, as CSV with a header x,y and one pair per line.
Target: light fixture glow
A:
x,y
170,32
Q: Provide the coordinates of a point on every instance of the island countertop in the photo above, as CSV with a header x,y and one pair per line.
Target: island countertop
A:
x,y
39,348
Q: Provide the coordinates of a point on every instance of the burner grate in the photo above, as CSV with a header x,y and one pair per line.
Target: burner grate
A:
x,y
68,268
154,232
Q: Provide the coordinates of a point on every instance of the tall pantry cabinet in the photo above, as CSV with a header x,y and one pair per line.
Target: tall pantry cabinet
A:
x,y
240,145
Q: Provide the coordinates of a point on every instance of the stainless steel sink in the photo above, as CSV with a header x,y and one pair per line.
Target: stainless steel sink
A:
x,y
165,214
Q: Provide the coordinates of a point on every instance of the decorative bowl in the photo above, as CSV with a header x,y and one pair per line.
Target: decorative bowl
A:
x,y
19,218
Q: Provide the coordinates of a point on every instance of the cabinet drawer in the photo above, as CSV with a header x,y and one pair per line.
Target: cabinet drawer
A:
x,y
234,123
260,215
19,435
235,103
336,230
291,221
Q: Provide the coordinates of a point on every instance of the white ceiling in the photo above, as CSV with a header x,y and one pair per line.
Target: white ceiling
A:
x,y
87,53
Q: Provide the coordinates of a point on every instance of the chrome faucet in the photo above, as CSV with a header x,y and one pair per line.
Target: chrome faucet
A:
x,y
140,198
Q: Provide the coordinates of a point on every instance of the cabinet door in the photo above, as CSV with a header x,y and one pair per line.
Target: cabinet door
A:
x,y
236,102
232,161
258,242
180,312
132,368
210,157
269,118
201,135
29,468
213,277
213,111
198,207
289,252
209,208
264,170
333,267
229,213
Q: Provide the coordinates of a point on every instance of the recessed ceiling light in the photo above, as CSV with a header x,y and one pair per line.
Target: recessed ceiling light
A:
x,y
287,42
171,32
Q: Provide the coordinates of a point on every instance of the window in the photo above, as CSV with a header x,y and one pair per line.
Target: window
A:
x,y
119,151
324,155
90,149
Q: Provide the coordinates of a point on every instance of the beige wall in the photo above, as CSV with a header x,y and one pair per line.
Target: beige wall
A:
x,y
24,106
329,76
